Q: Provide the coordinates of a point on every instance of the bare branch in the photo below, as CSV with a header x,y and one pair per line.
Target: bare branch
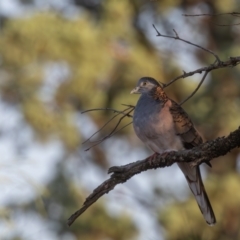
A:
x,y
176,34
227,25
109,109
235,14
128,105
232,62
120,174
116,111
198,86
188,42
114,130
121,128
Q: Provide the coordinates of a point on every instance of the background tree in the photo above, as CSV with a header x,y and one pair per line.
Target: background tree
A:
x,y
58,59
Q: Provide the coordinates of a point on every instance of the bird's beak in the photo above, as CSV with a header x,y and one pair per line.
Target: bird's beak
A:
x,y
135,90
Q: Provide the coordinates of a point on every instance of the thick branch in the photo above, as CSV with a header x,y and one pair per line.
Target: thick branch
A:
x,y
120,174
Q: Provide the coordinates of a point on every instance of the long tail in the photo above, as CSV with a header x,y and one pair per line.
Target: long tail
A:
x,y
195,183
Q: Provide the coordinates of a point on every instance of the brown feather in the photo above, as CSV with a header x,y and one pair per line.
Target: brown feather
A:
x,y
158,94
184,127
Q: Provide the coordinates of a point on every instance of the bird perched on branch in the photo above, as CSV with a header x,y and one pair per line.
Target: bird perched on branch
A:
x,y
164,126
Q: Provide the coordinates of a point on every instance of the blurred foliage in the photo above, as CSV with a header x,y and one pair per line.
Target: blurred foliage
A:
x,y
104,51
183,220
101,58
60,198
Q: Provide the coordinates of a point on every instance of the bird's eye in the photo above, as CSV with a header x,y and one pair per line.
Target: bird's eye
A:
x,y
144,84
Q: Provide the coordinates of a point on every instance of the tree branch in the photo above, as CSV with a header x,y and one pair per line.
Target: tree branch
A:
x,y
232,62
183,40
216,65
235,14
198,86
129,108
120,174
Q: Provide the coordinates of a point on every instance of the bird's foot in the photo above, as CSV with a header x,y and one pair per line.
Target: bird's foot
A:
x,y
153,156
164,154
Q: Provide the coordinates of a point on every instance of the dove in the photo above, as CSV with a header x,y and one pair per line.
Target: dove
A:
x,y
164,126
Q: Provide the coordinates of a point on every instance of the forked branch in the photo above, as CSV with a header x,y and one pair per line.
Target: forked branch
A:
x,y
125,113
198,86
188,42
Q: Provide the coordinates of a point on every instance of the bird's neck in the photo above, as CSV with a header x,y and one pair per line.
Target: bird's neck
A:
x,y
156,97
157,93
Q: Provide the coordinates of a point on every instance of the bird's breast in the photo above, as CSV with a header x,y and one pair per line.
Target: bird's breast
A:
x,y
154,125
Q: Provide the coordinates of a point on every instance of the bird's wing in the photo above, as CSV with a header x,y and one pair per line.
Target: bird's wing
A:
x,y
184,127
190,138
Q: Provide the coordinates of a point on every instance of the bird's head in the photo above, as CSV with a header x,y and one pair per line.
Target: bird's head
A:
x,y
145,85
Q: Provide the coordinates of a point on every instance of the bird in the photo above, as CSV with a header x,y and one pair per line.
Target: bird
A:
x,y
164,126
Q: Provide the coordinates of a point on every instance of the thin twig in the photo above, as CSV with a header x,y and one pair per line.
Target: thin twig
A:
x,y
108,109
112,132
118,113
128,105
227,25
183,40
211,15
199,85
88,140
232,62
108,136
234,14
121,128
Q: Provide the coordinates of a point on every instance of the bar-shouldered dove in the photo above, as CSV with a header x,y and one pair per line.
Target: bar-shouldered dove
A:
x,y
164,126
